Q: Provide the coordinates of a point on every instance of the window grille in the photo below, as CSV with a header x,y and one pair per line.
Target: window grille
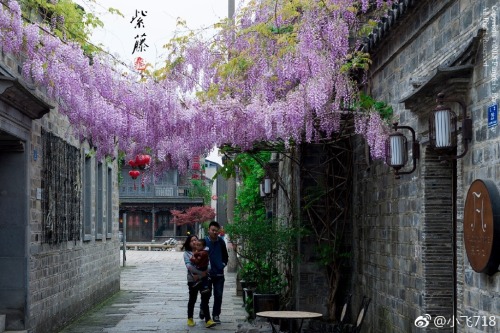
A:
x,y
61,186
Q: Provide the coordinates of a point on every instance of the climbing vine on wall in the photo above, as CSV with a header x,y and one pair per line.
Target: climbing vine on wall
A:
x,y
61,184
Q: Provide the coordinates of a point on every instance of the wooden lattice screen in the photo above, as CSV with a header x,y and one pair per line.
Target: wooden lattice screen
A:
x,y
326,177
61,184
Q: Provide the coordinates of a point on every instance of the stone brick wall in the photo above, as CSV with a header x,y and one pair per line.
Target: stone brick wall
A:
x,y
69,278
67,282
403,229
65,279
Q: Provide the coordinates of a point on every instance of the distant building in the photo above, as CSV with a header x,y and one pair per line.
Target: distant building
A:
x,y
145,207
219,191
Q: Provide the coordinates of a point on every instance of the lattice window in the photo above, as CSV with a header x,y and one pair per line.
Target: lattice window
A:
x,y
61,183
109,203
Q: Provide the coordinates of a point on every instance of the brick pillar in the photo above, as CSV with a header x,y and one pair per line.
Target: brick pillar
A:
x,y
437,238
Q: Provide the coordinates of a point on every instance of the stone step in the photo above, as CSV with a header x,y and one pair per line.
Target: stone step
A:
x,y
2,326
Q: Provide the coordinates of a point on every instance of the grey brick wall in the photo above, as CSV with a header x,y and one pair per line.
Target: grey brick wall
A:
x,y
65,279
69,278
67,282
403,235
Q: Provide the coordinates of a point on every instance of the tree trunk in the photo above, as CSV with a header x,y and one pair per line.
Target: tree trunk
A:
x,y
232,265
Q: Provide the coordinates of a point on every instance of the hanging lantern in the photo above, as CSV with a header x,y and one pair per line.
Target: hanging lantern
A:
x,y
444,132
443,128
397,153
397,150
142,161
134,174
132,164
267,185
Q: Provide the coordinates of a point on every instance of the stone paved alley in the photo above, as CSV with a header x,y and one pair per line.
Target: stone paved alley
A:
x,y
153,298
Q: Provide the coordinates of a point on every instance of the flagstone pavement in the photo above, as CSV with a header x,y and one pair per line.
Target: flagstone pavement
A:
x,y
153,298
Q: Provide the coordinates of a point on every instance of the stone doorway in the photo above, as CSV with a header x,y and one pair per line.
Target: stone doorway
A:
x,y
13,224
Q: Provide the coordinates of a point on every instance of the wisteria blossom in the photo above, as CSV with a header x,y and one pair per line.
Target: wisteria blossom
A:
x,y
273,75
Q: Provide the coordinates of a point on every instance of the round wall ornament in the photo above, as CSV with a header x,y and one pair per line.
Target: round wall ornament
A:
x,y
482,226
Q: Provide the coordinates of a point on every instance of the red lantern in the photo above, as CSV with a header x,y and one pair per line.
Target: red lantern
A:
x,y
134,174
138,160
142,160
132,164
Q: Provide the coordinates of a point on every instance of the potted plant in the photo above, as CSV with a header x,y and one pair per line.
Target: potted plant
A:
x,y
247,277
263,244
264,249
267,294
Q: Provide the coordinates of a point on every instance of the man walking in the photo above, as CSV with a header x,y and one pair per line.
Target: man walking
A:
x,y
218,261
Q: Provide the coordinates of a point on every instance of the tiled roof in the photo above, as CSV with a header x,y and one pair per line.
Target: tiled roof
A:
x,y
16,94
395,14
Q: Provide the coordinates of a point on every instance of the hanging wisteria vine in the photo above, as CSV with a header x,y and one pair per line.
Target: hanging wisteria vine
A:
x,y
273,75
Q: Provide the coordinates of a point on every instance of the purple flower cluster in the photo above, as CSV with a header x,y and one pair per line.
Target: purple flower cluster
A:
x,y
272,76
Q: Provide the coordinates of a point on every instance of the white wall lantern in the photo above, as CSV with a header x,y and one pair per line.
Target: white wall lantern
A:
x,y
267,185
443,133
397,150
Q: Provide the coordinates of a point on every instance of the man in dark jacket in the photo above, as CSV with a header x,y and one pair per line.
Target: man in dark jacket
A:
x,y
218,261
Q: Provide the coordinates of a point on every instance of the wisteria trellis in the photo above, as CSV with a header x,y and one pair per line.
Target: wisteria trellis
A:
x,y
276,75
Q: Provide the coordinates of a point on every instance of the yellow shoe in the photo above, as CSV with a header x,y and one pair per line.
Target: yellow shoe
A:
x,y
191,322
210,323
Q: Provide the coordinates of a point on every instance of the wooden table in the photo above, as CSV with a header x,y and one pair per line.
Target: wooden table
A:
x,y
289,315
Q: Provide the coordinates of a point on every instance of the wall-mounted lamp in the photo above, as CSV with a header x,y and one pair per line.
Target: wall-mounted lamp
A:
x,y
146,220
121,220
266,186
397,150
443,131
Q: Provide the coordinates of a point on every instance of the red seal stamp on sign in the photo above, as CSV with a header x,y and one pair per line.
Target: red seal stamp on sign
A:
x,y
139,64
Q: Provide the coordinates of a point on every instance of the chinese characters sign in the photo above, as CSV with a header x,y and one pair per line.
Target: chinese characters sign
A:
x,y
492,115
140,39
